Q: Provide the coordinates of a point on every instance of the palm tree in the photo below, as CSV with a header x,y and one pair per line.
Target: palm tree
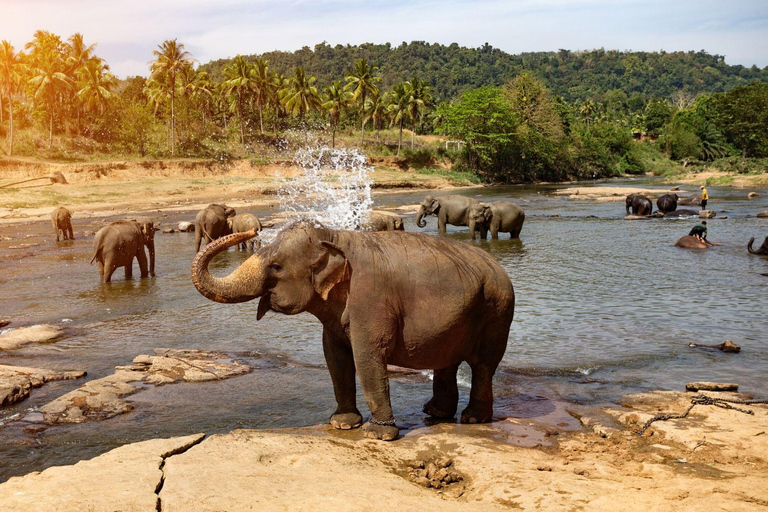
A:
x,y
171,58
375,111
336,101
199,87
95,85
399,101
49,81
239,81
301,95
362,82
11,76
587,110
263,88
422,94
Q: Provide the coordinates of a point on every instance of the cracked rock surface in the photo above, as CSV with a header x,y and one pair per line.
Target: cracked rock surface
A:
x,y
104,398
17,382
124,479
17,338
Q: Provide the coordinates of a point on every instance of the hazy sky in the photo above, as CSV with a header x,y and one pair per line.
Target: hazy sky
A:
x,y
128,30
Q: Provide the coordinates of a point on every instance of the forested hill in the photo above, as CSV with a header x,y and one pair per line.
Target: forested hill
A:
x,y
573,75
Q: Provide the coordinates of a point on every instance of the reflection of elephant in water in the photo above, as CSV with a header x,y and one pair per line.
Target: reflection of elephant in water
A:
x,y
682,213
374,293
211,223
384,221
242,223
667,203
62,223
691,242
640,205
763,250
118,243
499,216
452,210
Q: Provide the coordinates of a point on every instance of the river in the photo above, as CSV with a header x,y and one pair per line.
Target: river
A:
x,y
605,307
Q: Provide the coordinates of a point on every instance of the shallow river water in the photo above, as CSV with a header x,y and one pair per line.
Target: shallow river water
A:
x,y
604,307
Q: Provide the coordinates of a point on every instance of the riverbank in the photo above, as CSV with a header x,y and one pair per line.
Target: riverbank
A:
x,y
713,457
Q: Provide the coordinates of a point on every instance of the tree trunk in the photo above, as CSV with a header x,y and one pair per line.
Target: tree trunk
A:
x,y
173,120
10,131
333,137
413,135
240,116
362,116
744,151
261,118
50,137
400,140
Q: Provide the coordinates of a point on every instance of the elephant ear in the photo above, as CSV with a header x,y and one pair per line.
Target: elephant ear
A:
x,y
330,268
487,212
434,206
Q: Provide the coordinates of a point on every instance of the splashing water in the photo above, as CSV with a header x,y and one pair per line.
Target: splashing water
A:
x,y
334,188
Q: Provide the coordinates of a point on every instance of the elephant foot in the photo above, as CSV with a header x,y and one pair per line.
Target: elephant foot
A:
x,y
347,420
477,412
437,410
386,432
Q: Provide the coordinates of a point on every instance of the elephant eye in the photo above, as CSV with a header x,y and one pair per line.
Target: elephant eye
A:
x,y
275,267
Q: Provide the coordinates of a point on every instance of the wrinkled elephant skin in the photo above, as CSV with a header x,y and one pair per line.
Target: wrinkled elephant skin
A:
x,y
454,303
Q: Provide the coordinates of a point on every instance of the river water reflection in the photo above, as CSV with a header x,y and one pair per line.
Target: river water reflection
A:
x,y
604,307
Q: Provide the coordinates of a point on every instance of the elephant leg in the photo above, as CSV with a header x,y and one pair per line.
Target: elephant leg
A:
x,y
198,238
109,269
101,270
495,230
129,270
445,394
71,233
441,222
341,364
484,232
372,370
483,365
142,257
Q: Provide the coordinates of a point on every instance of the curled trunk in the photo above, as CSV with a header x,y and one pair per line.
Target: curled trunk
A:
x,y
762,251
244,284
420,218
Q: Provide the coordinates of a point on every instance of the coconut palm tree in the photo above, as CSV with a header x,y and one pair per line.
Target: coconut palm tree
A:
x,y
199,88
376,111
239,82
263,88
399,107
49,81
336,101
11,77
170,60
95,85
301,95
423,102
362,82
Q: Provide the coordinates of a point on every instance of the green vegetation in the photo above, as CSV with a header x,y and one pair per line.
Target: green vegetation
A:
x,y
547,116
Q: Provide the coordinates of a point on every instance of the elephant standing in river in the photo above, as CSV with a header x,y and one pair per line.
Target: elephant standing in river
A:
x,y
640,205
61,219
499,216
117,244
390,297
244,222
763,250
211,223
667,203
384,221
452,210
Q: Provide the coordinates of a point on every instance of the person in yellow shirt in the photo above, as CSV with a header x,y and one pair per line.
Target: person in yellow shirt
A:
x,y
704,197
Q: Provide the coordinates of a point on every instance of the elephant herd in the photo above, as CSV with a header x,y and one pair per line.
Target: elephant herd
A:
x,y
499,216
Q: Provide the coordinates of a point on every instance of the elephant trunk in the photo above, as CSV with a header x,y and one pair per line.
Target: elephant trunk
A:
x,y
151,248
420,217
760,251
244,284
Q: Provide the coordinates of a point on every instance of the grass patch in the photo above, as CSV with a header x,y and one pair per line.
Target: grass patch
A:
x,y
720,180
455,177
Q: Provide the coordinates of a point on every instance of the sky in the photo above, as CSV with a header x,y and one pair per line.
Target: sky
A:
x,y
128,30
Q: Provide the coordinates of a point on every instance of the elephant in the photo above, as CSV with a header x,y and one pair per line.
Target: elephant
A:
x,y
384,221
383,297
448,209
691,242
667,203
498,216
116,244
763,250
682,213
61,219
640,205
242,223
211,223
690,201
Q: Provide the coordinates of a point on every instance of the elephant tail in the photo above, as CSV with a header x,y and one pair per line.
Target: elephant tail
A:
x,y
95,255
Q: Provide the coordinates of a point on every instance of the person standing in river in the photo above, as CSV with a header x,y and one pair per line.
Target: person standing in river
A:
x,y
704,197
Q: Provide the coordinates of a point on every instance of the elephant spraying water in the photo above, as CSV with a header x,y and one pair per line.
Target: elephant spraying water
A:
x,y
391,297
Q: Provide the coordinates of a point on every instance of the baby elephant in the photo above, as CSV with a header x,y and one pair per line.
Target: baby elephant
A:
x,y
117,244
499,216
384,221
240,224
62,223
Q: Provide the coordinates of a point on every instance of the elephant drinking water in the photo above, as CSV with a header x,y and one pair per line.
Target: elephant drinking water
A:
x,y
389,297
452,210
640,205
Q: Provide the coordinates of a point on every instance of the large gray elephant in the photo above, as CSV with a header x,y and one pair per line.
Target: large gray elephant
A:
x,y
117,244
452,210
762,250
499,216
640,204
211,223
667,203
61,219
384,221
391,297
244,222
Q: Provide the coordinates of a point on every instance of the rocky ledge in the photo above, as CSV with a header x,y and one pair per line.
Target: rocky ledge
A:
x,y
17,382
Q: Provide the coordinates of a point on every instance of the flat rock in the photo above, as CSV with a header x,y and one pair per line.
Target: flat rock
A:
x,y
186,226
17,382
711,386
753,195
17,338
124,479
4,322
637,217
707,214
762,215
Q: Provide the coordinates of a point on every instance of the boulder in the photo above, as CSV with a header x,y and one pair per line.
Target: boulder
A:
x,y
753,195
4,322
689,201
711,386
169,230
637,217
17,382
16,338
762,215
186,226
707,214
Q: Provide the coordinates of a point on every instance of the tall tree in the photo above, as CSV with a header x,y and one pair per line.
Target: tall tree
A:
x,y
11,77
170,60
95,85
263,88
301,95
239,82
376,111
336,101
362,82
399,107
49,77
